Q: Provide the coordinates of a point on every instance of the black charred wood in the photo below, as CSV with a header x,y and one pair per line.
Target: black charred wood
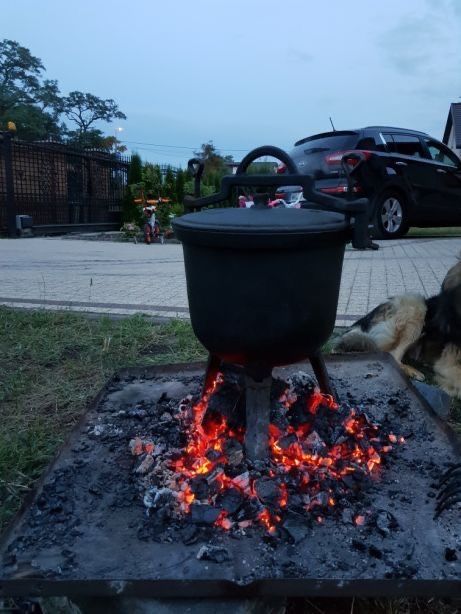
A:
x,y
203,514
233,451
200,487
267,491
285,442
230,500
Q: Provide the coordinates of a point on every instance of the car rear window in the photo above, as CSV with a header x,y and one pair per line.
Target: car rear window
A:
x,y
328,142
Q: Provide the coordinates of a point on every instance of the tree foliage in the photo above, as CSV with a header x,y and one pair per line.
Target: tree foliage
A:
x,y
20,73
86,109
152,178
37,106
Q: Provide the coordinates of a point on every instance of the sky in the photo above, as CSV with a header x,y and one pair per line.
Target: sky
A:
x,y
244,73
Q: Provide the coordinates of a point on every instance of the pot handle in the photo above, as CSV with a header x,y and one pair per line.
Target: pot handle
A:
x,y
350,208
267,150
196,168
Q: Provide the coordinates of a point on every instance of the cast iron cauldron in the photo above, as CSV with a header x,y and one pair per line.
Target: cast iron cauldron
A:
x,y
263,283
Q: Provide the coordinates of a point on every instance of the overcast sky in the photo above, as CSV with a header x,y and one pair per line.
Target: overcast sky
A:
x,y
244,73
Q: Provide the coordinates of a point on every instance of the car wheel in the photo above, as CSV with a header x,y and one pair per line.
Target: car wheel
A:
x,y
390,217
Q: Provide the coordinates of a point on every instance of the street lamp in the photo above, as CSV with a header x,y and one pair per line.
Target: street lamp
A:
x,y
117,132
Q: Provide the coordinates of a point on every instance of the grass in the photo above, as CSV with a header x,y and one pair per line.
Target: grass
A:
x,y
52,364
454,231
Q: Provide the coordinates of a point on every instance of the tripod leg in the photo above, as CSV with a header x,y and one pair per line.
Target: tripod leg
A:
x,y
321,373
212,369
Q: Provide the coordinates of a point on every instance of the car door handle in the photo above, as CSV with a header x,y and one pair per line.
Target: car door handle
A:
x,y
401,164
441,171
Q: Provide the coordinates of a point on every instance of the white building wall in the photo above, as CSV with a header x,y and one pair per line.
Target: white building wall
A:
x,y
452,144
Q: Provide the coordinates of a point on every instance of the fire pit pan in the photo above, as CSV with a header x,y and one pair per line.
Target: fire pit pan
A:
x,y
109,559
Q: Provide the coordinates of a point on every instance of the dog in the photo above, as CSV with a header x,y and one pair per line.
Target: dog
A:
x,y
410,326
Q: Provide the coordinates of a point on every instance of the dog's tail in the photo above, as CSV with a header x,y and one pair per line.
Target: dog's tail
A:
x,y
355,340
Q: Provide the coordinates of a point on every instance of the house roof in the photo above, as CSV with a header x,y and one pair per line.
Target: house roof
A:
x,y
454,119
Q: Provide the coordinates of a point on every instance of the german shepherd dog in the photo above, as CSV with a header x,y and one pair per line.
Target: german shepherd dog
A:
x,y
410,326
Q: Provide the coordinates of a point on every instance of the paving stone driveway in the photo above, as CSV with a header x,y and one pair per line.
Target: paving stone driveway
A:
x,y
124,278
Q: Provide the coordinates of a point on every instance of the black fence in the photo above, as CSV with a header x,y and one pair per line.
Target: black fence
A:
x,y
59,186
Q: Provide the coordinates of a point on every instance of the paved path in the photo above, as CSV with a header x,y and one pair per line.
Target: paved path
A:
x,y
124,278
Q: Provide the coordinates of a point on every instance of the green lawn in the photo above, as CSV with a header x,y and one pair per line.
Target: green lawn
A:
x,y
52,365
435,232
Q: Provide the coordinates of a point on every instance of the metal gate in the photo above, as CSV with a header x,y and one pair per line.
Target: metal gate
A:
x,y
59,186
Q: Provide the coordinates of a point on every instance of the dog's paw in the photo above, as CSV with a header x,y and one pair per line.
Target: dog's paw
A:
x,y
412,372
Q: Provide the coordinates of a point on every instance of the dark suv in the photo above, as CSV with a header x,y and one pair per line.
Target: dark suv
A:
x,y
410,178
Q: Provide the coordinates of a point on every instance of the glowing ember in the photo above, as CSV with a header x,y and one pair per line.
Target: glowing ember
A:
x,y
319,451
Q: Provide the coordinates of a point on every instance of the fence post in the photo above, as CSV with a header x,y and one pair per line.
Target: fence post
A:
x,y
10,201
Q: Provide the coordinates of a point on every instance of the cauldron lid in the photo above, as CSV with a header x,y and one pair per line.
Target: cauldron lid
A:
x,y
235,227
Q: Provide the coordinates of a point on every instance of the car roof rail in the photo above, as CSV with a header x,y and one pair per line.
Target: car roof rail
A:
x,y
404,130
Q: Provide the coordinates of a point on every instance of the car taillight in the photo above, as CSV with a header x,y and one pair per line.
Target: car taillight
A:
x,y
281,195
335,157
281,168
341,189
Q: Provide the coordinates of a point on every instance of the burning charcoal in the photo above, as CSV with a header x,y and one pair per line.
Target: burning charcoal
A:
x,y
146,465
242,481
199,486
230,500
320,499
214,475
135,446
285,442
385,521
450,555
296,500
213,455
204,514
216,554
157,497
233,451
268,491
314,443
249,510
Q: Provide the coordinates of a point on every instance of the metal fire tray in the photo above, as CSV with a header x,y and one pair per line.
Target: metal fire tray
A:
x,y
92,547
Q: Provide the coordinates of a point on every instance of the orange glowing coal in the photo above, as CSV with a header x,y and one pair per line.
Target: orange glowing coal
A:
x,y
300,462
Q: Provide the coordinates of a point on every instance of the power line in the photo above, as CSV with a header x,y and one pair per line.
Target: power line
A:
x,y
178,146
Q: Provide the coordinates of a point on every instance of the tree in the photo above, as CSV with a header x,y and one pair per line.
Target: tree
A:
x,y
85,109
48,98
214,161
36,105
130,210
135,170
169,184
179,188
32,124
152,178
19,75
